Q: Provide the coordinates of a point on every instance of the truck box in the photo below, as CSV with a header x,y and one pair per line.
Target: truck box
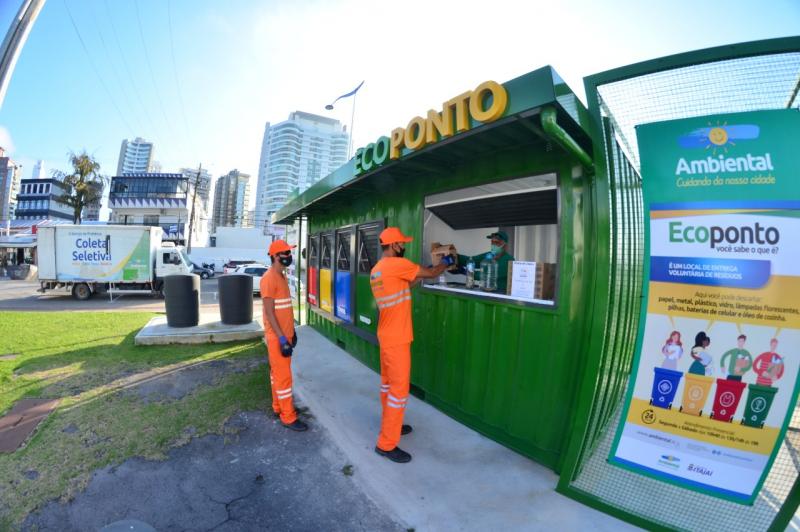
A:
x,y
98,253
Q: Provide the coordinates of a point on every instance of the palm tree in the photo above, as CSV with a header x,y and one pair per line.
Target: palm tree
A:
x,y
84,185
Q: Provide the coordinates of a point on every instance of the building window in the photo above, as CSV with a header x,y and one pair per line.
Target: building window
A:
x,y
523,212
150,219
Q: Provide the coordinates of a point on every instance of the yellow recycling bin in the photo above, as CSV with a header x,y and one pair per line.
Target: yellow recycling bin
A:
x,y
695,393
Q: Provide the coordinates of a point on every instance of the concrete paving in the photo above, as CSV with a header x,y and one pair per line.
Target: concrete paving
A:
x,y
209,330
457,480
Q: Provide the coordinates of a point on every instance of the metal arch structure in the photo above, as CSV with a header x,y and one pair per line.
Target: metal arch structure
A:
x,y
15,40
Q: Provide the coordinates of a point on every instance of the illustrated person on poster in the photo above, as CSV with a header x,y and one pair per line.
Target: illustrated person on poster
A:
x,y
739,360
702,358
672,351
769,365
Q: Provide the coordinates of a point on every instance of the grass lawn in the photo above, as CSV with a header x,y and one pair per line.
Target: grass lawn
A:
x,y
88,361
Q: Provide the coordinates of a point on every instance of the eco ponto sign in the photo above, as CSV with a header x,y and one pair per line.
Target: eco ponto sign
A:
x,y
715,377
485,104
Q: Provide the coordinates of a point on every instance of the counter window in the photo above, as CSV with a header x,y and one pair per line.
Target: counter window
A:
x,y
505,237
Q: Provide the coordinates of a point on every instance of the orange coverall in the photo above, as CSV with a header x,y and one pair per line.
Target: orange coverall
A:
x,y
274,286
390,280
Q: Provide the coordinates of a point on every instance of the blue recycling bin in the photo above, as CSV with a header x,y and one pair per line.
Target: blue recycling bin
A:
x,y
344,283
665,385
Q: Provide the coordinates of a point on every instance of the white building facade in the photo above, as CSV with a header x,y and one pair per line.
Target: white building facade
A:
x,y
135,157
295,154
162,200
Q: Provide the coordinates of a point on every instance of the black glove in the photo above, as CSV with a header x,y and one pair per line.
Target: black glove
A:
x,y
286,347
294,340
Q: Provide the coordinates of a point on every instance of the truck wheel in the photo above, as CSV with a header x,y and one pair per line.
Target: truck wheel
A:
x,y
81,291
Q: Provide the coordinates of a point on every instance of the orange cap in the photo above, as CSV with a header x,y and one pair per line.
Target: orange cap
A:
x,y
279,246
392,235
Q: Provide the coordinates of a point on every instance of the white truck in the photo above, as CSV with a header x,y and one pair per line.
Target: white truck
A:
x,y
115,259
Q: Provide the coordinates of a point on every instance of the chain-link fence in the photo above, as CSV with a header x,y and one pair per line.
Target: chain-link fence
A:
x,y
721,85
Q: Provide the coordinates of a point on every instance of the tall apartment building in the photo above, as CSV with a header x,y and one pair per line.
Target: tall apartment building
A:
x,y
231,201
162,200
295,154
39,171
135,157
10,176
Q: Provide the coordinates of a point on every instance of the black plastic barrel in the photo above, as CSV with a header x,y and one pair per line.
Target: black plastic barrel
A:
x,y
235,299
182,299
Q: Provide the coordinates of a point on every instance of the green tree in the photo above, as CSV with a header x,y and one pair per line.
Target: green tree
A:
x,y
84,184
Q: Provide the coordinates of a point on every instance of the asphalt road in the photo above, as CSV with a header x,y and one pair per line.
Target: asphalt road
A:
x,y
263,478
22,295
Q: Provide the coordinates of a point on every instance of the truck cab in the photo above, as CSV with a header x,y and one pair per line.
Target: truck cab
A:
x,y
171,260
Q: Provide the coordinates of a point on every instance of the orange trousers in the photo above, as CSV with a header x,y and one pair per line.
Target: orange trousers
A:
x,y
395,381
280,380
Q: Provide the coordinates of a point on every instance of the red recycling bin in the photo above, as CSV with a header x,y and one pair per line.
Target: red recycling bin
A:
x,y
726,399
312,285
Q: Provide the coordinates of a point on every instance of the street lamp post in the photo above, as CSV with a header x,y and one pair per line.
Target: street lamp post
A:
x,y
329,107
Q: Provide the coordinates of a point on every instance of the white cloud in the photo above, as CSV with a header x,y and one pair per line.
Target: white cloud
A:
x,y
5,141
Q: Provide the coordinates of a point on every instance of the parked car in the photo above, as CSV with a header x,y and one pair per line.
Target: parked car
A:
x,y
231,265
256,270
202,271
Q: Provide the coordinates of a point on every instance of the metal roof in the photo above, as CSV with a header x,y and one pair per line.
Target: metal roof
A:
x,y
518,126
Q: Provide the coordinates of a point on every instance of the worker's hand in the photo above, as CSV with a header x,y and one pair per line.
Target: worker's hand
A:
x,y
286,347
294,340
448,260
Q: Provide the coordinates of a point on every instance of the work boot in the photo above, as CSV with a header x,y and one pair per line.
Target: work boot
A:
x,y
407,429
395,455
296,425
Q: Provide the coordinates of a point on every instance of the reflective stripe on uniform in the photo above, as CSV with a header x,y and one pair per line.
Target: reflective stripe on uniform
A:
x,y
396,294
394,405
283,394
393,303
396,400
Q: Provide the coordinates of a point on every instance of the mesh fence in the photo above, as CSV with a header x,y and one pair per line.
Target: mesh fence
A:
x,y
724,86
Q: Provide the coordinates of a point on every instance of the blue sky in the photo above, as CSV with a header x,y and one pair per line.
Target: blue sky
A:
x,y
240,63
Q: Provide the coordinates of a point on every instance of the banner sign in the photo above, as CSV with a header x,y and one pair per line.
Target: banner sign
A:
x,y
715,377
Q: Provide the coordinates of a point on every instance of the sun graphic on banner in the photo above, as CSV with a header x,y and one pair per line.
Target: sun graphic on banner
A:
x,y
718,136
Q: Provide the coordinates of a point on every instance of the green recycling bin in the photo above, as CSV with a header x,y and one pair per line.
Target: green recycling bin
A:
x,y
759,401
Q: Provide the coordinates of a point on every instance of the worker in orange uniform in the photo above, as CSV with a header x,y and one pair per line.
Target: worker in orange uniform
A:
x,y
279,330
391,280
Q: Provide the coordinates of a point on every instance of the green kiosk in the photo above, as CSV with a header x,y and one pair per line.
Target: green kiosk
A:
x,y
509,157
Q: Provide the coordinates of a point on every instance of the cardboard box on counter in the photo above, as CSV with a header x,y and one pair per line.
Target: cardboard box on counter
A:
x,y
440,250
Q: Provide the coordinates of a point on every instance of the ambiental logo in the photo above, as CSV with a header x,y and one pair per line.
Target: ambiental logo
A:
x,y
717,139
669,461
718,136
